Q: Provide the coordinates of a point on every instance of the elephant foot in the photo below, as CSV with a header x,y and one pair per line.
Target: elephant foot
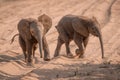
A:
x,y
30,64
25,59
79,54
69,55
55,55
46,59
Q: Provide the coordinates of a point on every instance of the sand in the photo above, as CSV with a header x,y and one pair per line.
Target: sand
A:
x,y
91,67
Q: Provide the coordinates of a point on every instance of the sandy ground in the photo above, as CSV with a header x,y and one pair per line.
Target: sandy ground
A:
x,y
91,67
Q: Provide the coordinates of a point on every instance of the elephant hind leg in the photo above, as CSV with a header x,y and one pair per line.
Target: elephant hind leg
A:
x,y
78,39
23,46
59,44
29,47
65,38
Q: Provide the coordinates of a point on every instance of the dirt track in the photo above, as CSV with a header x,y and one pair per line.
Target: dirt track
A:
x,y
91,67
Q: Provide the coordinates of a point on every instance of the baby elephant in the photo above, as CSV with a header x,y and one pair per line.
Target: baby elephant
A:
x,y
77,28
31,32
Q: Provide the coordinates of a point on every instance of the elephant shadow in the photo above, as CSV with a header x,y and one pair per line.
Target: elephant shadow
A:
x,y
6,58
18,59
68,71
78,71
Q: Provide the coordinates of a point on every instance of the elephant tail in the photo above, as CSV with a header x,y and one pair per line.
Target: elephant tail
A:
x,y
13,38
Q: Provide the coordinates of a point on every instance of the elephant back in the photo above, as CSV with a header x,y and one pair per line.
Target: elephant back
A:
x,y
79,25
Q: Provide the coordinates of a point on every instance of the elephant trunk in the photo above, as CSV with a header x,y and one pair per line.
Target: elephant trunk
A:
x,y
36,32
40,45
101,43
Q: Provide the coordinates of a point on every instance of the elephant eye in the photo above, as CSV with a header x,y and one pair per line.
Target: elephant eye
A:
x,y
93,28
32,32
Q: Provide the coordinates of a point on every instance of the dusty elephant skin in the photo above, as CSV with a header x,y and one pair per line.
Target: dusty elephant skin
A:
x,y
47,24
77,28
46,21
31,32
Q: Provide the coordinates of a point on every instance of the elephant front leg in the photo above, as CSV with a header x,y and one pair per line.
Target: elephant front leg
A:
x,y
78,40
85,41
69,54
46,49
59,44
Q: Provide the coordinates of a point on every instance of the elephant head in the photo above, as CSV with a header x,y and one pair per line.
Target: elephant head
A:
x,y
36,32
93,27
46,21
86,26
94,30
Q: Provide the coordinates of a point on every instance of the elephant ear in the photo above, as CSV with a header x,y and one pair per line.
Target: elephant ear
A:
x,y
25,30
46,21
80,28
95,22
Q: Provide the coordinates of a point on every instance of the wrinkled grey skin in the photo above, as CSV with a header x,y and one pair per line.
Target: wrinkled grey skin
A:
x,y
77,28
31,32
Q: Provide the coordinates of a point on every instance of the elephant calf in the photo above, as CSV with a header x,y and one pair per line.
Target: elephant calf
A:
x,y
77,28
31,32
